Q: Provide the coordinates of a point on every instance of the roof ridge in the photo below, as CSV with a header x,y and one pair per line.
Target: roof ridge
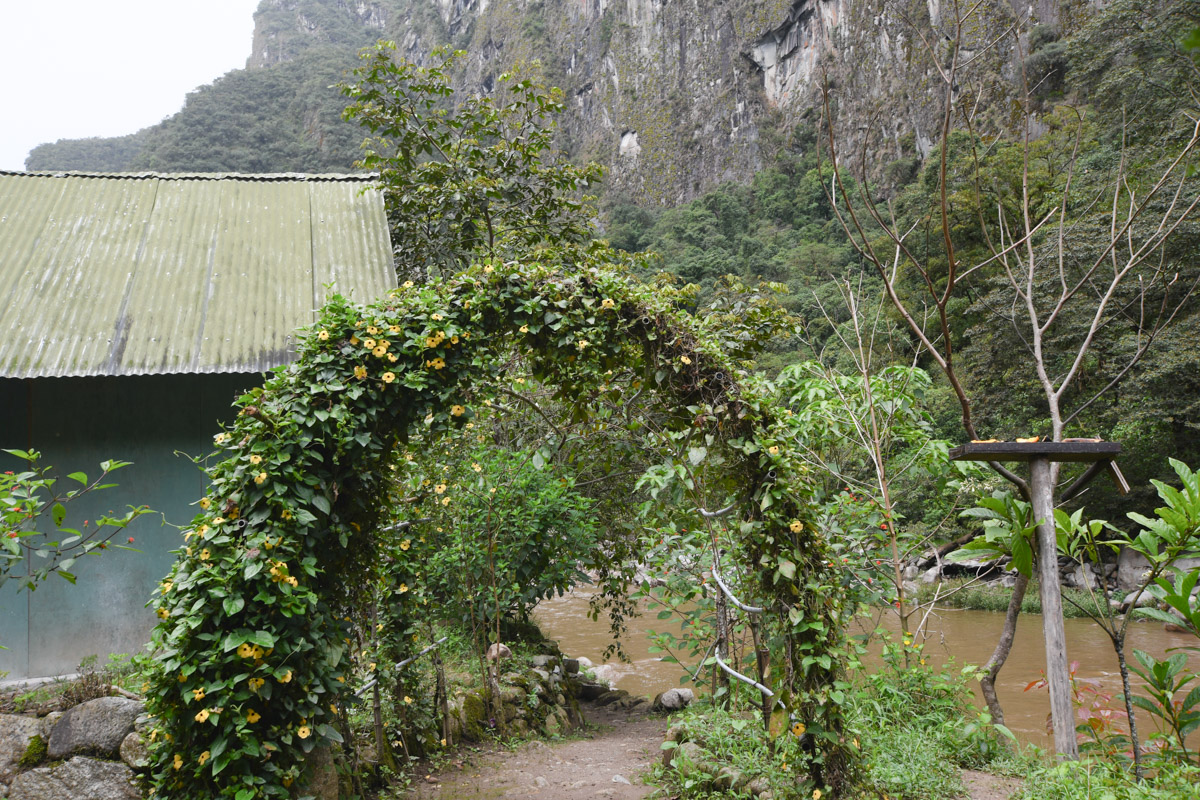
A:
x,y
316,177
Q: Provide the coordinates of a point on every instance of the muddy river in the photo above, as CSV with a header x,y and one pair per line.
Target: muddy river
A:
x,y
964,636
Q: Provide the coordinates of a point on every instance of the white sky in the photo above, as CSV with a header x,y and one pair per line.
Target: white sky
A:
x,y
77,68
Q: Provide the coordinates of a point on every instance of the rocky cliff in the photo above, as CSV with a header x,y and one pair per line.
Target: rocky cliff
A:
x,y
675,96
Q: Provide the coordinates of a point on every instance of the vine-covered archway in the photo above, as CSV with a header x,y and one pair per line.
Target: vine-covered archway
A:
x,y
252,643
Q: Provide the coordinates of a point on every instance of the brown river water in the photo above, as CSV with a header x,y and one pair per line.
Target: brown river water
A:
x,y
967,637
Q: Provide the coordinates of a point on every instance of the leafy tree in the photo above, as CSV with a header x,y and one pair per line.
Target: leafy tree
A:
x,y
29,499
479,179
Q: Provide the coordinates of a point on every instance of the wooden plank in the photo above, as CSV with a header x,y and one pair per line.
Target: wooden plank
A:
x,y
1024,451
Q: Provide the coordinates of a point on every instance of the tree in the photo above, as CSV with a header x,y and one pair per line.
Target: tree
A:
x,y
1080,257
476,180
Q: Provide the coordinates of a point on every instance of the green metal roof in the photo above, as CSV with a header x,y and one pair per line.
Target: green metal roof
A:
x,y
138,273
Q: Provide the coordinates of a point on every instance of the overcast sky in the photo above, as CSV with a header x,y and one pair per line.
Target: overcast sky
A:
x,y
77,68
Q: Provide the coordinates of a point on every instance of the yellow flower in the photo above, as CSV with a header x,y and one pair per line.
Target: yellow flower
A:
x,y
408,284
369,343
258,652
256,459
430,342
454,339
816,794
393,329
198,694
457,410
488,269
202,715
388,377
253,716
684,360
583,343
292,581
403,588
245,650
436,317
373,330
773,450
255,684
446,501
201,531
440,488
524,329
405,544
304,731
260,479
178,761
379,352
796,526
182,678
798,729
221,438
218,521
205,555
360,372
391,358
205,503
287,677
607,303
353,340
163,613
285,514
477,468
323,336
204,757
408,700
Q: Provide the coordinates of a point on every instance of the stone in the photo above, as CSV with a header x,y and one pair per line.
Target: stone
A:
x,y
571,665
133,751
911,572
930,575
1084,577
674,700
757,786
584,662
96,727
78,778
684,758
542,674
1144,599
16,734
543,661
540,782
591,691
612,696
498,652
622,779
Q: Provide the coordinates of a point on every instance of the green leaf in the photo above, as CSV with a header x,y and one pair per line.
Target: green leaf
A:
x,y
697,454
58,513
234,605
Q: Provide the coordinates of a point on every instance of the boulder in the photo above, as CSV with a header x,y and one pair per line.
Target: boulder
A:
x,y
930,575
1131,569
76,779
610,697
16,734
571,666
96,727
544,661
1145,599
674,700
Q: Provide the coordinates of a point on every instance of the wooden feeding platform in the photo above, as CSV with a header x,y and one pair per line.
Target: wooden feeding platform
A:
x,y
1101,455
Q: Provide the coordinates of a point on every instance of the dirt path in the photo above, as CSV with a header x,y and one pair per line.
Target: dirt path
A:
x,y
606,761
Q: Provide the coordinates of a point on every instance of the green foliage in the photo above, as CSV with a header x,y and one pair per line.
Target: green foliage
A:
x,y
482,179
1090,778
1007,531
33,521
517,535
113,154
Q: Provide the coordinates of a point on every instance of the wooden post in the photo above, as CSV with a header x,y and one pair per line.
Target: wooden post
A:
x,y
1041,489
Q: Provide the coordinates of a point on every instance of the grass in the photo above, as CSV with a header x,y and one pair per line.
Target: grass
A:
x,y
991,596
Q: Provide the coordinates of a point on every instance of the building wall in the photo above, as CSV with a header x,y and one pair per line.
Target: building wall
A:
x,y
159,423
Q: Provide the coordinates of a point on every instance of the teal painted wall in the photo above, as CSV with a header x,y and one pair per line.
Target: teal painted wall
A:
x,y
157,422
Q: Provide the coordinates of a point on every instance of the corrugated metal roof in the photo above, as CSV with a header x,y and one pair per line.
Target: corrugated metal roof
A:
x,y
139,273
